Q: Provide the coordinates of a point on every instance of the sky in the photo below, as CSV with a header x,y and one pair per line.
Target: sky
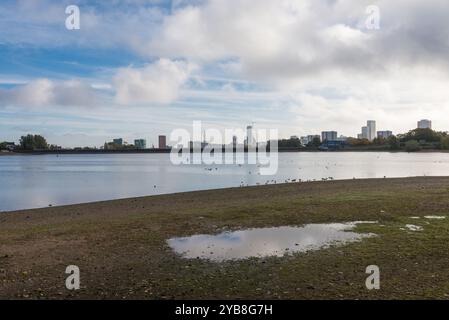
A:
x,y
137,69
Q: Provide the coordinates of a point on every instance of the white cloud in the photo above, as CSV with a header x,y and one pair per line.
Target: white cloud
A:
x,y
159,82
48,93
156,83
279,41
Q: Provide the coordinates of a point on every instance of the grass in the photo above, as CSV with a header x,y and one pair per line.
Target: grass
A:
x,y
120,246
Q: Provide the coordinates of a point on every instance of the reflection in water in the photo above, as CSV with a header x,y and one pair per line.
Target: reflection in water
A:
x,y
264,242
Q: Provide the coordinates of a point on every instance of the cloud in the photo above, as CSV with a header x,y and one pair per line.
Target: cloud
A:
x,y
156,83
271,40
48,93
159,82
288,40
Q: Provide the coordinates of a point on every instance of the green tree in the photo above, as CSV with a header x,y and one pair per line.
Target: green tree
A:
x,y
289,143
444,142
358,142
33,142
380,141
316,142
412,146
394,143
425,135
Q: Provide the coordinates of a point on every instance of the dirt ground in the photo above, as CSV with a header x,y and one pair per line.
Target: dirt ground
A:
x,y
121,250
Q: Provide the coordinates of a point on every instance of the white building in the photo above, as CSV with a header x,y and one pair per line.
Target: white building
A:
x,y
342,138
371,125
308,139
369,131
364,132
424,124
250,141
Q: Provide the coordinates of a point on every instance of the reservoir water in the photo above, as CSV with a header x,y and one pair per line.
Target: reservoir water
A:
x,y
35,181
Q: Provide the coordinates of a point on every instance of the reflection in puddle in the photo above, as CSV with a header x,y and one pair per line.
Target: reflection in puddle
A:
x,y
264,242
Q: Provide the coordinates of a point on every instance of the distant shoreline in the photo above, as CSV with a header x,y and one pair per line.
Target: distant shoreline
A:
x,y
158,151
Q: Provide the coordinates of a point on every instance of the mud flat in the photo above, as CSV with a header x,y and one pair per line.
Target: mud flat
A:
x,y
123,251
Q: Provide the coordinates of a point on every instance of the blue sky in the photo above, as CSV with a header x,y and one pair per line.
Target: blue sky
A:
x,y
136,69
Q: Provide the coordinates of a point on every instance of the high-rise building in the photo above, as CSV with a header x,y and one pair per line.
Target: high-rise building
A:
x,y
424,124
384,134
364,132
328,136
371,125
140,144
162,142
369,131
234,141
250,141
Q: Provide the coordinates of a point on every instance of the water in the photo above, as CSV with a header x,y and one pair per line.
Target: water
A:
x,y
37,181
265,242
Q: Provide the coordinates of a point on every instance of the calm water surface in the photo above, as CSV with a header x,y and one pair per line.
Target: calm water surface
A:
x,y
265,242
37,181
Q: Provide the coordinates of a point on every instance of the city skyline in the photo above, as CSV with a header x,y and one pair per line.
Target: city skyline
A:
x,y
331,135
138,69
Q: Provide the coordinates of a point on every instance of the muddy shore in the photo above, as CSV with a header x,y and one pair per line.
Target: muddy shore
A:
x,y
121,250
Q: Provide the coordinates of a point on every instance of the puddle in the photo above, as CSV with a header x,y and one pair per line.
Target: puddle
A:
x,y
264,242
412,227
435,217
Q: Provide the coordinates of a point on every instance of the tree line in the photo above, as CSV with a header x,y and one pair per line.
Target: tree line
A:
x,y
414,140
31,142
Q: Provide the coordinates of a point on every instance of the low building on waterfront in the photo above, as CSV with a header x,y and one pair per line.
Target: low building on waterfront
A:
x,y
140,144
328,136
162,142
